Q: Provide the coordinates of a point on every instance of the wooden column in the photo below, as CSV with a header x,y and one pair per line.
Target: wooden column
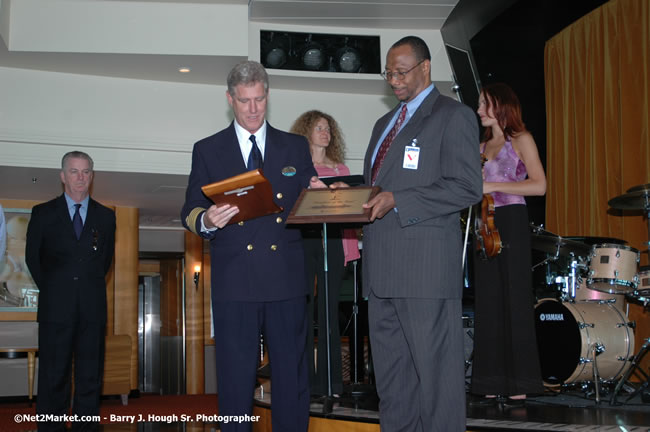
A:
x,y
110,296
194,346
125,304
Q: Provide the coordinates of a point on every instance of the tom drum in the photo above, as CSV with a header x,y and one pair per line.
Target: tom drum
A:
x,y
612,268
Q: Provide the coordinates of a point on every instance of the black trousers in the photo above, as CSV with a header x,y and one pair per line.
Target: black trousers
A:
x,y
58,344
506,360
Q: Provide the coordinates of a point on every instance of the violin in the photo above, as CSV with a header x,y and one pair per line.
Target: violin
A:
x,y
488,240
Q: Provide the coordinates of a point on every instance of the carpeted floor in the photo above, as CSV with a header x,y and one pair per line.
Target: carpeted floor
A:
x,y
146,408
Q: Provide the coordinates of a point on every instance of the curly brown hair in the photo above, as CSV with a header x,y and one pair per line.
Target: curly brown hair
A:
x,y
304,125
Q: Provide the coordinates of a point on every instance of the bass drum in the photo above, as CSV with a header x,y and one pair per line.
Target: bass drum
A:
x,y
566,334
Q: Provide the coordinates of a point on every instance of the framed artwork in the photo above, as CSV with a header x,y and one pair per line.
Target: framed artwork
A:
x,y
18,291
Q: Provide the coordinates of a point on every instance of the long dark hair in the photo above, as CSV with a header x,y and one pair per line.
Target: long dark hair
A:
x,y
506,108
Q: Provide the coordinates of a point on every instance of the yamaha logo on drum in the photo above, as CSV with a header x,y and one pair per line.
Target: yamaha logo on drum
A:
x,y
551,317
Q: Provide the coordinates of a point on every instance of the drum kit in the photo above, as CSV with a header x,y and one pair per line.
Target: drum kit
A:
x,y
583,333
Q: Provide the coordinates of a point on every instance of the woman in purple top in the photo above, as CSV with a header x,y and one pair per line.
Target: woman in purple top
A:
x,y
506,362
327,151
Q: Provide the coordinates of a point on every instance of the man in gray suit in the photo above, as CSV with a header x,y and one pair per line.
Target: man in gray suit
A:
x,y
424,155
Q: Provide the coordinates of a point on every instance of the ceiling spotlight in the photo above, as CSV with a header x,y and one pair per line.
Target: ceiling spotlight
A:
x,y
348,59
184,70
275,50
313,55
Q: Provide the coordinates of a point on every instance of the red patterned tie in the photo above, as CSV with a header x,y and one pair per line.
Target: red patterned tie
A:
x,y
385,145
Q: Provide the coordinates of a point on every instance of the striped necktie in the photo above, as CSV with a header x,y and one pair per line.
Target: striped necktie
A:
x,y
385,145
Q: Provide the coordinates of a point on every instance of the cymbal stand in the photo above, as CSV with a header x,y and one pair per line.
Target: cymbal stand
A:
x,y
647,210
634,366
572,283
549,258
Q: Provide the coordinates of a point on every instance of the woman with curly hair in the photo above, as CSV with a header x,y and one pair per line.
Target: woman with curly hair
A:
x,y
506,362
327,152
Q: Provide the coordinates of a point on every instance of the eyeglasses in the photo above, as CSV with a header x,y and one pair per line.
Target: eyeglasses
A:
x,y
322,129
387,75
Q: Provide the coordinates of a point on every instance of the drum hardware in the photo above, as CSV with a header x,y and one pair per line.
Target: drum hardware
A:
x,y
635,296
636,360
571,282
642,292
629,324
597,349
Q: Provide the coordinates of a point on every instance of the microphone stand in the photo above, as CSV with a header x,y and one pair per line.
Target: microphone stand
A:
x,y
327,400
357,388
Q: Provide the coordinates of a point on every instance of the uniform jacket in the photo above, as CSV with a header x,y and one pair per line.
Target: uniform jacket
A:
x,y
260,259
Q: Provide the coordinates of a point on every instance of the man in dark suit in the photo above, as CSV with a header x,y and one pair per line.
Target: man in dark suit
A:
x,y
258,281
424,155
69,249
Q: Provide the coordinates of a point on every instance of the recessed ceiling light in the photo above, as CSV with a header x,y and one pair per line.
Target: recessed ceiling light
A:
x,y
184,70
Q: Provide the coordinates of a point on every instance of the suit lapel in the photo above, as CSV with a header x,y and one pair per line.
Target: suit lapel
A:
x,y
405,136
227,154
274,152
90,217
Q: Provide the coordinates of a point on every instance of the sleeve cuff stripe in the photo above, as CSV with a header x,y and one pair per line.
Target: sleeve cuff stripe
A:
x,y
190,220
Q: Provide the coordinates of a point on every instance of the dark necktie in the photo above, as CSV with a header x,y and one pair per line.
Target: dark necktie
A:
x,y
254,157
77,223
385,145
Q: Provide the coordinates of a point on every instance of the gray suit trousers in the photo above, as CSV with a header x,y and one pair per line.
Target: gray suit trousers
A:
x,y
417,347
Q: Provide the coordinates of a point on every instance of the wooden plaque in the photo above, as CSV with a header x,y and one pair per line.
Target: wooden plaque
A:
x,y
332,205
251,192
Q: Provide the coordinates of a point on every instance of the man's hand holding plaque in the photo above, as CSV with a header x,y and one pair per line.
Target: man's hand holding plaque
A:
x,y
339,203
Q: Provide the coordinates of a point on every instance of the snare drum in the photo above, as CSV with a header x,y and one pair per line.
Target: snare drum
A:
x,y
612,268
566,334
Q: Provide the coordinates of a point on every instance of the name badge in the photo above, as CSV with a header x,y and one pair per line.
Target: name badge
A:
x,y
411,155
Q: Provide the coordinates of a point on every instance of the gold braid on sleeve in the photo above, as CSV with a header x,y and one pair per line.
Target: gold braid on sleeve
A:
x,y
190,220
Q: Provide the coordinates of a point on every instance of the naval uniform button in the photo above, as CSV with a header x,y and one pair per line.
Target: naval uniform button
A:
x,y
249,247
240,223
274,247
278,220
279,195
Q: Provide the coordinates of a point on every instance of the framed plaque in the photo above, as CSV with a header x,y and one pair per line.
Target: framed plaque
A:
x,y
332,205
251,192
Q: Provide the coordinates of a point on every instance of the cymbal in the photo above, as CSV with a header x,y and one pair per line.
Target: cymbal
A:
x,y
593,240
552,244
636,200
639,187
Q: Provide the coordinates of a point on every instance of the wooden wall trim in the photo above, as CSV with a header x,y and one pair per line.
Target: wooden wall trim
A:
x,y
194,345
126,282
